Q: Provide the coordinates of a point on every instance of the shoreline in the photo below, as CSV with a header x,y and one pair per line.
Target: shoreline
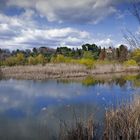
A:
x,y
63,71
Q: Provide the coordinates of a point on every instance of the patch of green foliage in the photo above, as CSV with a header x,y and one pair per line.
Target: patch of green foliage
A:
x,y
87,62
136,55
88,81
130,62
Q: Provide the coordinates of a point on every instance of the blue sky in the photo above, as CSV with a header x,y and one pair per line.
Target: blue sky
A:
x,y
34,23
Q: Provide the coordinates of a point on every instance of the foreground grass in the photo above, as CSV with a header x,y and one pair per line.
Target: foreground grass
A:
x,y
78,131
122,123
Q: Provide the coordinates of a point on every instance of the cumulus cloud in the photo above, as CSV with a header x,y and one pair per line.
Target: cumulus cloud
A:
x,y
23,32
83,11
106,42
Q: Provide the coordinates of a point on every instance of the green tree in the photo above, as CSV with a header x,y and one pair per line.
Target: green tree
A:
x,y
60,58
10,61
20,58
88,55
123,53
34,51
32,60
136,55
40,59
84,47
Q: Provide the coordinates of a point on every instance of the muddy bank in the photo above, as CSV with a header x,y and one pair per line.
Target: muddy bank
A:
x,y
57,71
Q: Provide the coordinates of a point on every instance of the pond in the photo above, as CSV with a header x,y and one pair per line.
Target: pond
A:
x,y
33,110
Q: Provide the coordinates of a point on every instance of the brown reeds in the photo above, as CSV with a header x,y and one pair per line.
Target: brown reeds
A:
x,y
0,73
62,70
78,131
123,123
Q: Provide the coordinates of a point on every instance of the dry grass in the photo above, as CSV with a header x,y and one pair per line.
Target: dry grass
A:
x,y
62,70
123,123
78,131
0,73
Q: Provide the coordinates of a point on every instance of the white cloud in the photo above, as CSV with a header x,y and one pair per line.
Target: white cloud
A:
x,y
16,32
23,31
90,11
106,42
3,27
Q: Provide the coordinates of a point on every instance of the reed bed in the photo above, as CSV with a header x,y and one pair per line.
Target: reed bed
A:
x,y
78,131
61,70
123,123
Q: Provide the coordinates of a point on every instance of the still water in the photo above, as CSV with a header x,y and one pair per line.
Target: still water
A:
x,y
33,110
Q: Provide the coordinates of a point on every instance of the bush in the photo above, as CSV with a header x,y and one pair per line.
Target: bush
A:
x,y
88,81
20,59
32,60
10,61
40,59
104,62
130,62
87,62
88,55
136,55
68,60
59,59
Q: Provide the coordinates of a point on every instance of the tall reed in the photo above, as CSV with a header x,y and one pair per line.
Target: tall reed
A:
x,y
78,131
123,123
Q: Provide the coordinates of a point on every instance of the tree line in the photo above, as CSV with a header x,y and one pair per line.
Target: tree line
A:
x,y
87,54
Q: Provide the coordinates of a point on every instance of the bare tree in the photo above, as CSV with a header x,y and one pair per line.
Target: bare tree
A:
x,y
136,9
133,39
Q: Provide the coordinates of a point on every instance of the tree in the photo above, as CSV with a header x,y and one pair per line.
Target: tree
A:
x,y
117,54
20,59
123,53
102,54
32,60
133,39
60,58
10,61
40,59
88,55
84,47
136,55
35,51
63,50
0,50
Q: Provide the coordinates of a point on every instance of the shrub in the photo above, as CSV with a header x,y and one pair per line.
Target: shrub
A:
x,y
104,62
60,59
130,62
32,60
88,55
20,59
1,62
89,81
40,59
87,62
52,60
68,59
10,61
136,55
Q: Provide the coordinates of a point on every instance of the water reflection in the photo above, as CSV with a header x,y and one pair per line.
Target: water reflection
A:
x,y
120,80
33,109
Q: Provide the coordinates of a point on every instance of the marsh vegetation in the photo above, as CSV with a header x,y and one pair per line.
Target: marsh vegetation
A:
x,y
122,123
